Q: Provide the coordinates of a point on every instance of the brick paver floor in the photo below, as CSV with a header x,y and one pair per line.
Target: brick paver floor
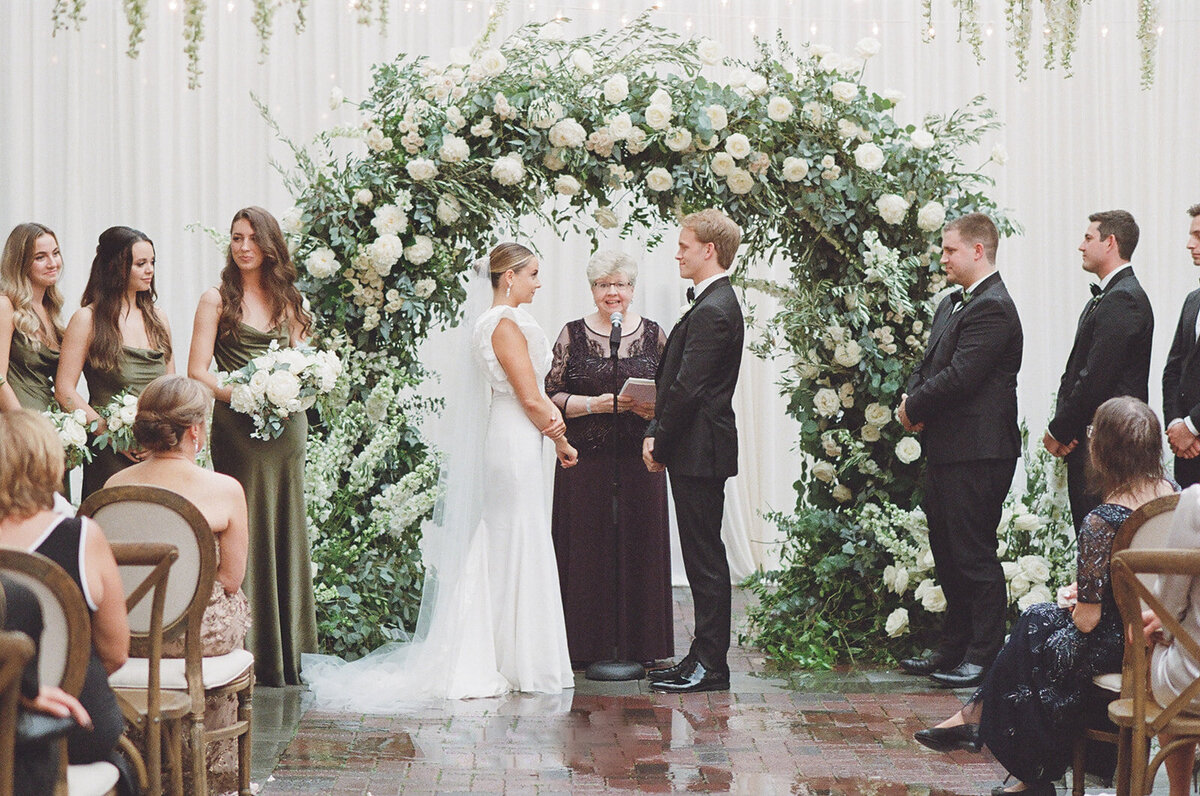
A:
x,y
837,732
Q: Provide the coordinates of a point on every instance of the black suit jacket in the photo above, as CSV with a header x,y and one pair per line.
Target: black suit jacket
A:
x,y
1181,376
965,389
1110,357
693,428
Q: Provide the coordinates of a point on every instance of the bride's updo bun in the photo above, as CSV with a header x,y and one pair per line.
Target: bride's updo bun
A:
x,y
167,408
507,257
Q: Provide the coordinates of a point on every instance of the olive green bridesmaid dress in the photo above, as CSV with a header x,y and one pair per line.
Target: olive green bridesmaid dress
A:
x,y
138,367
278,570
31,369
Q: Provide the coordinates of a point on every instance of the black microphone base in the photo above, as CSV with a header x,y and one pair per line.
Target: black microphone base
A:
x,y
615,671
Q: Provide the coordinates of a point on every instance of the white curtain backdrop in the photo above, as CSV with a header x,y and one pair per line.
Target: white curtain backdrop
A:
x,y
90,138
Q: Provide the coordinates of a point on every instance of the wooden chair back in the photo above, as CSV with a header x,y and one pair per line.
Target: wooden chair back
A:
x,y
15,651
1147,527
66,642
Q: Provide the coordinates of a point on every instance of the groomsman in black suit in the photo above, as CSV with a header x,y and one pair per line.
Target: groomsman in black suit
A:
x,y
963,400
1181,377
694,438
1111,354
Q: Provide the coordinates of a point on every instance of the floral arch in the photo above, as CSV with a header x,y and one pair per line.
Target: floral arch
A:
x,y
625,130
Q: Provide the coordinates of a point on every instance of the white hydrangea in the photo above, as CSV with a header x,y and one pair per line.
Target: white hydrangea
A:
x,y
795,169
844,91
421,169
321,263
931,216
738,145
718,116
869,157
454,149
779,109
892,208
616,89
424,288
420,251
508,169
659,179
389,220
567,133
678,139
908,450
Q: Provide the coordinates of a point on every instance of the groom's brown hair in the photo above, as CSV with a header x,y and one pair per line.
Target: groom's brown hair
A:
x,y
713,226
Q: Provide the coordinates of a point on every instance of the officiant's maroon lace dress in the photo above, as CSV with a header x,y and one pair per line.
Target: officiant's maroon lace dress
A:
x,y
582,523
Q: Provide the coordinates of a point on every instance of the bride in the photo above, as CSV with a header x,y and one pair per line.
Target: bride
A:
x,y
491,618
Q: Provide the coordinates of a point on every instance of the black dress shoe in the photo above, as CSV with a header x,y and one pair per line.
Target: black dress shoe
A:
x,y
965,675
946,739
934,662
692,679
670,672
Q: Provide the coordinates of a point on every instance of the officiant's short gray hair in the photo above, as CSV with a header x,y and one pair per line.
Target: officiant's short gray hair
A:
x,y
607,262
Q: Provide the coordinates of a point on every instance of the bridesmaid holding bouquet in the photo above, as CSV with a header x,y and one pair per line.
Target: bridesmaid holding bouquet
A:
x,y
257,303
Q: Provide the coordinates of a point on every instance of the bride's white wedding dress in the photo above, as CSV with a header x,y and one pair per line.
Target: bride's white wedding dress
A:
x,y
491,614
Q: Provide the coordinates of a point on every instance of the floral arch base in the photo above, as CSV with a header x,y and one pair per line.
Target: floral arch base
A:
x,y
628,130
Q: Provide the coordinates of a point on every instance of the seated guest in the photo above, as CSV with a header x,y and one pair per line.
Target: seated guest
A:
x,y
31,467
170,428
1029,709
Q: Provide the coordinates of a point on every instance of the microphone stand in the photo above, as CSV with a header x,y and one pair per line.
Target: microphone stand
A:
x,y
617,669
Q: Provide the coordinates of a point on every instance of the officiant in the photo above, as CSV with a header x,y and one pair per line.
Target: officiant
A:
x,y
636,615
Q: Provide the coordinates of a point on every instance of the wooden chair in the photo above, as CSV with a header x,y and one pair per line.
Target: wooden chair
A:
x,y
1146,527
15,651
1137,714
138,513
63,653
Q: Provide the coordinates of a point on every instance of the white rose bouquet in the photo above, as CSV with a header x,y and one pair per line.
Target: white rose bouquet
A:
x,y
118,414
280,382
72,428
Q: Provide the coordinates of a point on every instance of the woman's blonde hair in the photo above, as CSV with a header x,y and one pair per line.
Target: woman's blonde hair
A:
x,y
507,257
31,463
610,261
167,408
14,283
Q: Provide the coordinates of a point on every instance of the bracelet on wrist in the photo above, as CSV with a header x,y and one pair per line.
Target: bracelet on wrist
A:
x,y
587,402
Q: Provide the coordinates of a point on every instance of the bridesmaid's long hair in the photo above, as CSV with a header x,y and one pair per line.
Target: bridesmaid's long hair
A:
x,y
14,283
107,286
278,277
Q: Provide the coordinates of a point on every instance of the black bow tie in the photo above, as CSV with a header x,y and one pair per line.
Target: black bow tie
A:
x,y
691,294
1097,291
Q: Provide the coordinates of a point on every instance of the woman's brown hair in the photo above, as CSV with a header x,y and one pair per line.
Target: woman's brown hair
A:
x,y
1124,447
278,277
167,408
107,286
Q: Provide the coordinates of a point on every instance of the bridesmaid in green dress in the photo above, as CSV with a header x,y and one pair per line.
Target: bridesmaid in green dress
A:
x,y
257,302
31,328
118,339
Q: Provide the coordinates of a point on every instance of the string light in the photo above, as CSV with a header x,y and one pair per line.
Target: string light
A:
x,y
990,29
875,28
230,6
753,26
1104,32
931,32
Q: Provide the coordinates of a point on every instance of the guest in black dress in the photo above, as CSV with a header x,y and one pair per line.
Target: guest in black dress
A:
x,y
581,383
1030,708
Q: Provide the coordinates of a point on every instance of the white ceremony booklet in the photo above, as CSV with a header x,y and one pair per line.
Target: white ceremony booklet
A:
x,y
642,391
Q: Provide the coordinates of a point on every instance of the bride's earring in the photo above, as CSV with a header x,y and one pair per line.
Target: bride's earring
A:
x,y
508,291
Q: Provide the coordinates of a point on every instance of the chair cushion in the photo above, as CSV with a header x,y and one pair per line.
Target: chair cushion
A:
x,y
1109,682
218,670
94,779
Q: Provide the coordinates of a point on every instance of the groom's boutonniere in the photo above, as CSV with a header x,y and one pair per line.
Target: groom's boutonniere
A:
x,y
683,310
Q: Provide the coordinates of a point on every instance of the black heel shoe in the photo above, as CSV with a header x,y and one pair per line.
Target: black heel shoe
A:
x,y
1031,789
946,739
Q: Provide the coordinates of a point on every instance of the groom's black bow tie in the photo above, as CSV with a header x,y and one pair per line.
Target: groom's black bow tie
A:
x,y
691,294
1097,291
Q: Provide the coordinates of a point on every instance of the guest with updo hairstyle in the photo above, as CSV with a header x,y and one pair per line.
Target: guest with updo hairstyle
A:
x,y
118,339
171,427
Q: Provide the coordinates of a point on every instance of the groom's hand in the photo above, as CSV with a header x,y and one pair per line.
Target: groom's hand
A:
x,y
648,456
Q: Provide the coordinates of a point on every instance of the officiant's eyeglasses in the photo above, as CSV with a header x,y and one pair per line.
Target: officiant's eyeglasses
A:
x,y
604,287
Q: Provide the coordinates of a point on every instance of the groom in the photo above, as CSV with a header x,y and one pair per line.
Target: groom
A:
x,y
693,436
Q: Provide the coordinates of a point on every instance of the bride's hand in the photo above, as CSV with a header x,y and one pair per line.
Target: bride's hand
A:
x,y
567,455
557,427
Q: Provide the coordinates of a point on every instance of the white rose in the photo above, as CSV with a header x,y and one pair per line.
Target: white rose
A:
x,y
934,600
389,220
848,129
258,383
848,354
893,96
1036,568
870,433
567,133
424,288
1027,522
421,169
582,60
1018,585
826,402
128,414
383,253
454,118
492,62
448,210
635,142
841,493
866,48
722,164
1010,569
901,580
659,116
869,157
877,414
896,624
420,251
321,263
363,197
892,208
795,169
931,217
925,561
831,61
757,84
553,160
824,471
282,388
843,91
738,145
606,218
454,149
908,450
659,179
566,185
80,417
740,181
678,139
832,449
921,139
889,577
616,89
923,588
999,154
545,114
718,117
240,400
661,98
508,170
292,222
1038,594
620,126
709,51
74,434
779,109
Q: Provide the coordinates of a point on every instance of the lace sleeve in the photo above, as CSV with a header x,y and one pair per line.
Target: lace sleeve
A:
x,y
1095,548
556,379
662,341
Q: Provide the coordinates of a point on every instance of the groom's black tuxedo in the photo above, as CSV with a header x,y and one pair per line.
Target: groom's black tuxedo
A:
x,y
965,392
696,438
1110,357
1181,383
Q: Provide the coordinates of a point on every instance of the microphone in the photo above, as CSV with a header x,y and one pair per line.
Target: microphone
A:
x,y
614,337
